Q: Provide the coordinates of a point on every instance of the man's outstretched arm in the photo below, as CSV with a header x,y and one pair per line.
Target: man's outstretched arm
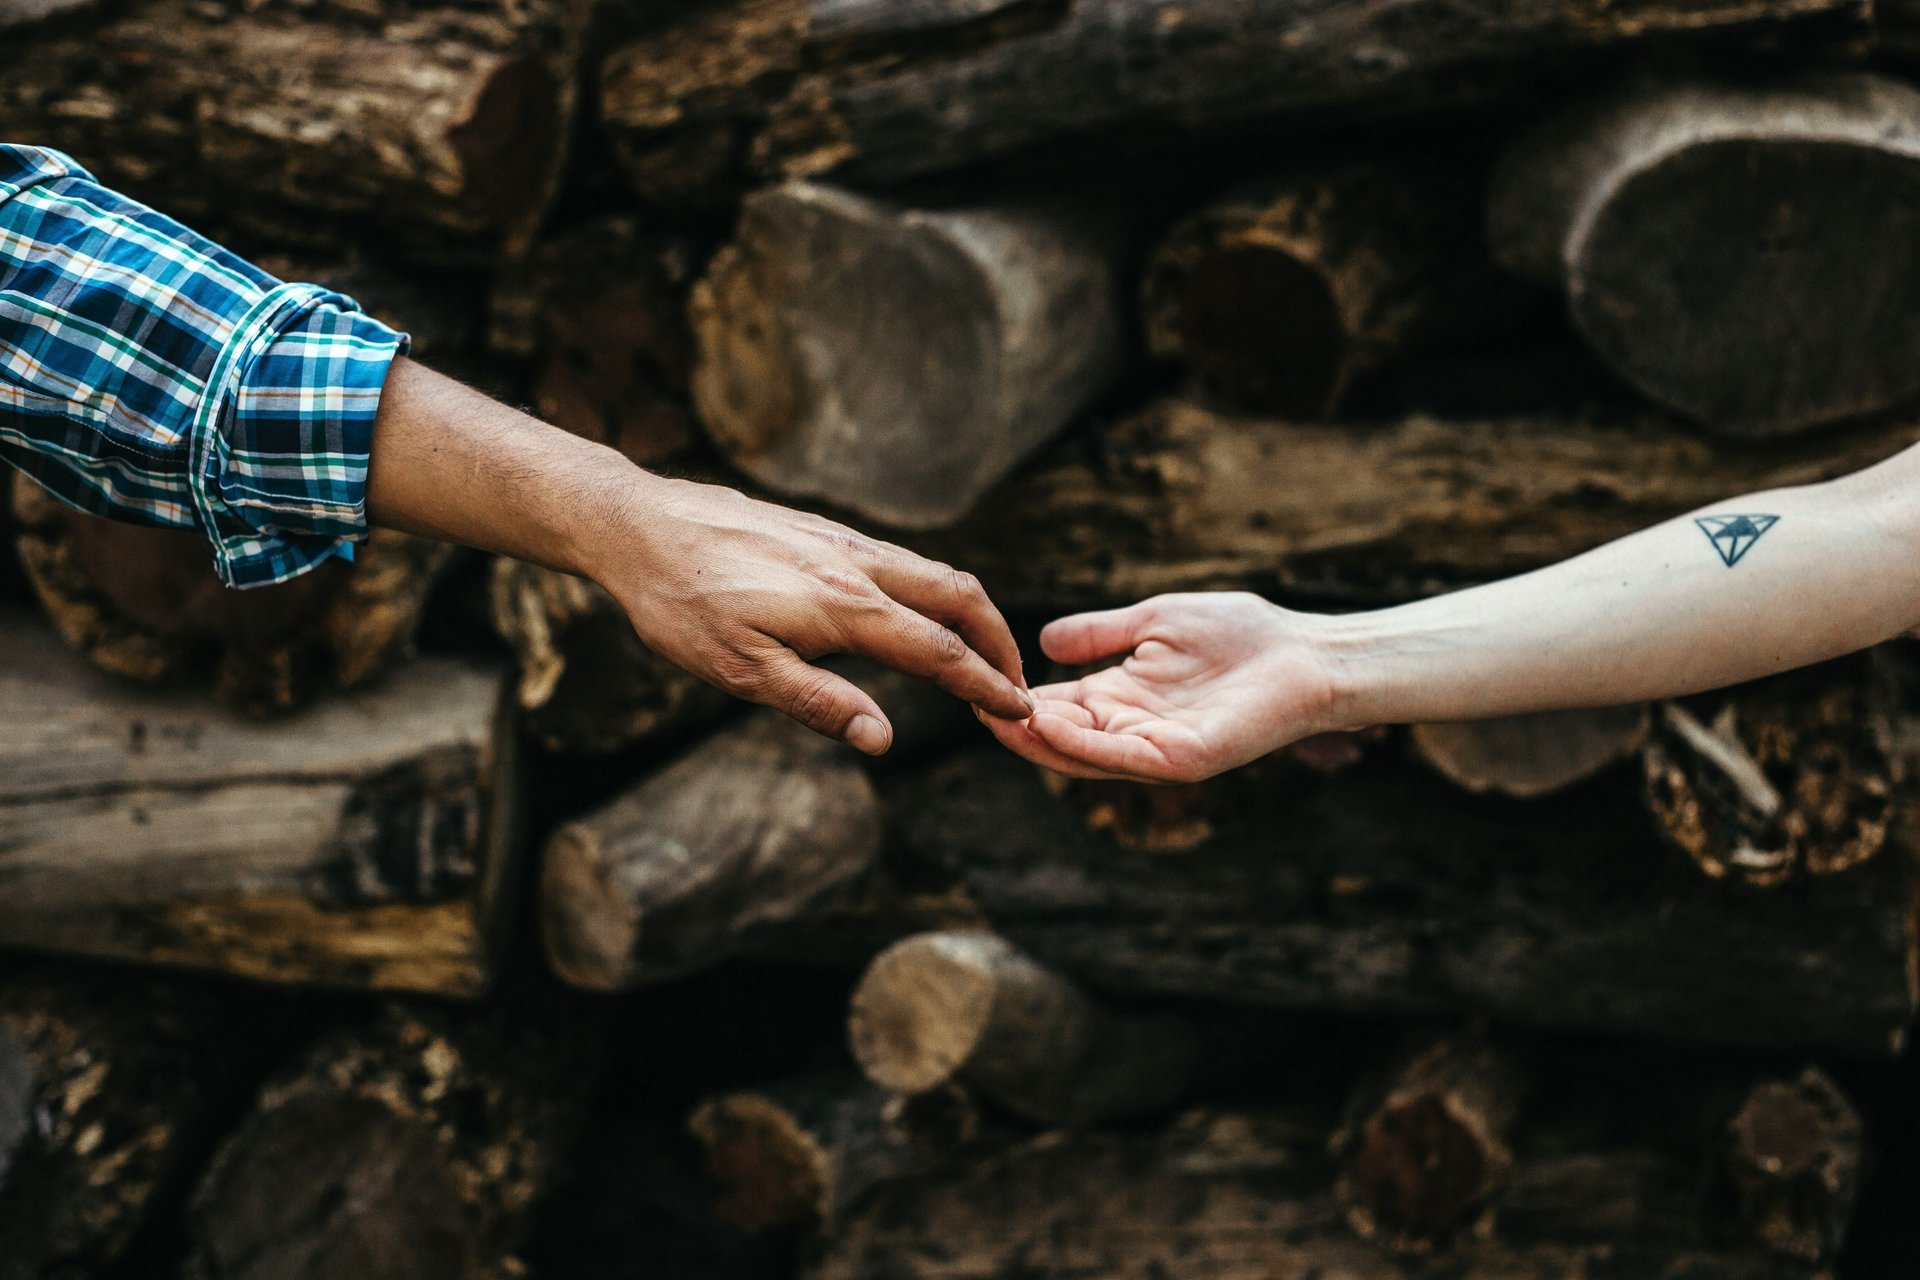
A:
x,y
1747,587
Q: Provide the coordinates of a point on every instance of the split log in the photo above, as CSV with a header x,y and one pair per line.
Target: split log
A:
x,y
1179,499
445,129
867,92
16,15
146,604
943,1007
412,1148
367,842
1796,776
1229,1195
1423,1157
1793,1161
807,1152
1529,756
1276,296
587,681
600,313
1319,893
109,1089
897,362
1736,252
735,841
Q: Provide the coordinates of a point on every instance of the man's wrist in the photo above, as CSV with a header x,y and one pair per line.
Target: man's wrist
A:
x,y
1355,651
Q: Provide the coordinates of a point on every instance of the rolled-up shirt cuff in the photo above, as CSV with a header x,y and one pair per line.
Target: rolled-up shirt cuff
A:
x,y
281,441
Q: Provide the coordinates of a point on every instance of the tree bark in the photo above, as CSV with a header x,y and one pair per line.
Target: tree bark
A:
x,y
898,362
937,1008
443,129
369,842
737,840
1739,253
1793,1155
145,604
1179,499
1531,756
587,681
411,1148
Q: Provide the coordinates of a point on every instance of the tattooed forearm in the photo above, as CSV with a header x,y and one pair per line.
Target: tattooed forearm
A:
x,y
1732,536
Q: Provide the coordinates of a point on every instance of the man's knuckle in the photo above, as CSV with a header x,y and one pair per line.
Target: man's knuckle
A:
x,y
947,646
813,703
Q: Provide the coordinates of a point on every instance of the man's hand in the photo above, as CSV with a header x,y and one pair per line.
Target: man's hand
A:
x,y
1210,682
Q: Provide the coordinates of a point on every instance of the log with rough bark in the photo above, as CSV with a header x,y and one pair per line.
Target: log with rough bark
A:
x,y
413,1147
1277,295
146,604
1224,1196
740,838
369,841
1385,889
769,89
1529,756
600,312
896,361
806,1152
937,1008
444,130
1793,1161
1739,252
1178,498
110,1087
1423,1157
587,681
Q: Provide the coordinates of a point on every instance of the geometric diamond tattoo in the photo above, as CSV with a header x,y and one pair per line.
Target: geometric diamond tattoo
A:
x,y
1733,536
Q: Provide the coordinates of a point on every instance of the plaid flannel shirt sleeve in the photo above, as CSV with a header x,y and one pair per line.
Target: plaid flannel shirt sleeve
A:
x,y
147,374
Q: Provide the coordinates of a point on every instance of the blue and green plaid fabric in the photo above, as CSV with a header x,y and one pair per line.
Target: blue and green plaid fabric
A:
x,y
147,374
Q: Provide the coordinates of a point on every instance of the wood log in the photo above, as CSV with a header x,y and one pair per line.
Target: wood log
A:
x,y
600,314
867,92
16,15
367,842
1274,297
110,1086
1318,893
145,604
1793,1160
443,128
735,841
1736,252
588,683
1223,1196
806,1152
414,1147
898,362
1536,755
1178,498
942,1007
1423,1156
1796,776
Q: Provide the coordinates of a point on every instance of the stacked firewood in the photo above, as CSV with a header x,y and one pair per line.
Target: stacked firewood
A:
x,y
412,919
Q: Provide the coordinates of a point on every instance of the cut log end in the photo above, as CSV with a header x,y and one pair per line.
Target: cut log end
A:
x,y
771,1171
1793,1157
1535,755
923,1007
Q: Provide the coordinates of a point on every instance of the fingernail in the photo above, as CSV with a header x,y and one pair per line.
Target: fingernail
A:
x,y
868,735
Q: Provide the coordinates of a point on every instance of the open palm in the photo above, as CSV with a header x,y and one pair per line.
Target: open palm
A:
x,y
1210,681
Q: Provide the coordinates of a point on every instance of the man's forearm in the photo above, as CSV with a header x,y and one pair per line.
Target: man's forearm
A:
x,y
1742,589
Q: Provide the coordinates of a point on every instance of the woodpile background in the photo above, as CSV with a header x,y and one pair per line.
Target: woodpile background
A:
x,y
412,920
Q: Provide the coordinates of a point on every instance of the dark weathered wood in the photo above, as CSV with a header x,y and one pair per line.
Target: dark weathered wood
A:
x,y
587,681
1739,252
896,361
806,1152
146,604
367,842
1793,1157
1385,889
1424,1155
738,839
600,312
18,14
444,128
879,92
942,1007
414,1147
1178,498
1528,756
